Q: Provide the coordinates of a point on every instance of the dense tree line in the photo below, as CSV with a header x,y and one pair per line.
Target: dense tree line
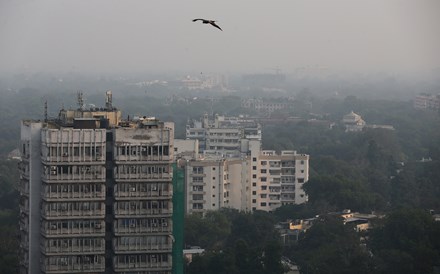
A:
x,y
235,242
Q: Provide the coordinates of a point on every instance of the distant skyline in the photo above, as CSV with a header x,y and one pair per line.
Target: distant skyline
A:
x,y
110,36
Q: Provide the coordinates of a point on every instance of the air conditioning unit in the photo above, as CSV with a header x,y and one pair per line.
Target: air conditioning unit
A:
x,y
132,189
65,154
53,172
164,224
53,227
53,168
133,225
98,226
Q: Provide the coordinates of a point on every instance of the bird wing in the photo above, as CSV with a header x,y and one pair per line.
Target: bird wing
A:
x,y
197,19
215,25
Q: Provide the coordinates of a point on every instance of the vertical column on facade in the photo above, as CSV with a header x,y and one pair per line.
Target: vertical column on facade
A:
x,y
109,202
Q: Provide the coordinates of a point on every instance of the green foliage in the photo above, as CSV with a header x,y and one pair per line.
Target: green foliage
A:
x,y
208,232
294,212
331,247
407,241
8,241
251,246
339,193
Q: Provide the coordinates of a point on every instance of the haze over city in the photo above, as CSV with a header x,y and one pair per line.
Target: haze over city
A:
x,y
201,136
158,36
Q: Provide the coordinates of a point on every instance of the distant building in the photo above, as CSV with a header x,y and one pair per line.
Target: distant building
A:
x,y
353,122
265,107
426,101
223,135
203,82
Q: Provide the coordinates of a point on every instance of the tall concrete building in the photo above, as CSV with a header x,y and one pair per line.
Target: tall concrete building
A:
x,y
96,193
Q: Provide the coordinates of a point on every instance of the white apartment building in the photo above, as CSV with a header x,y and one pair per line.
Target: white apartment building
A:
x,y
96,194
215,183
277,179
264,180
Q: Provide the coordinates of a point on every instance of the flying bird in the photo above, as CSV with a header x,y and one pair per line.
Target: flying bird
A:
x,y
205,21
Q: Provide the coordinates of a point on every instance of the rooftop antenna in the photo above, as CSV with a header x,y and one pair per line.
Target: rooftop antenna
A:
x,y
45,111
108,100
80,100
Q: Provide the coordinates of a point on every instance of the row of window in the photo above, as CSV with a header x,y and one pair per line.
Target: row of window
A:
x,y
74,170
143,258
89,151
76,242
73,224
142,187
73,206
142,222
78,188
142,240
72,260
134,205
142,169
142,150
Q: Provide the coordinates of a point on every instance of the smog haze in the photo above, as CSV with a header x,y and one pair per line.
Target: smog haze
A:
x,y
147,36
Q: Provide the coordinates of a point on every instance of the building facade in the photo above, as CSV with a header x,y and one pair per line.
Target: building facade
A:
x,y
353,122
228,136
263,180
96,193
427,101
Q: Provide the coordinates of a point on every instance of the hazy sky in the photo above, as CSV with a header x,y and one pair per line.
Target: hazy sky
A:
x,y
141,35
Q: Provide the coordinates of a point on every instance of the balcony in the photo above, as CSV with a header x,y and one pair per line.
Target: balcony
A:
x,y
142,266
124,213
60,250
70,159
73,196
142,248
72,178
121,159
73,214
73,232
144,195
139,229
133,177
73,268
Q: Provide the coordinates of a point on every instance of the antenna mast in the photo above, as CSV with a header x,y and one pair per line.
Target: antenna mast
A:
x,y
108,100
80,100
45,111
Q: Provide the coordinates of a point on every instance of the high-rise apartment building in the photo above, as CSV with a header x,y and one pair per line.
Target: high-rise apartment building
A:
x,y
96,193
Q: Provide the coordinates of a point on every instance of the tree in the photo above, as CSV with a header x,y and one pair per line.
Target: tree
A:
x,y
339,193
406,241
329,246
